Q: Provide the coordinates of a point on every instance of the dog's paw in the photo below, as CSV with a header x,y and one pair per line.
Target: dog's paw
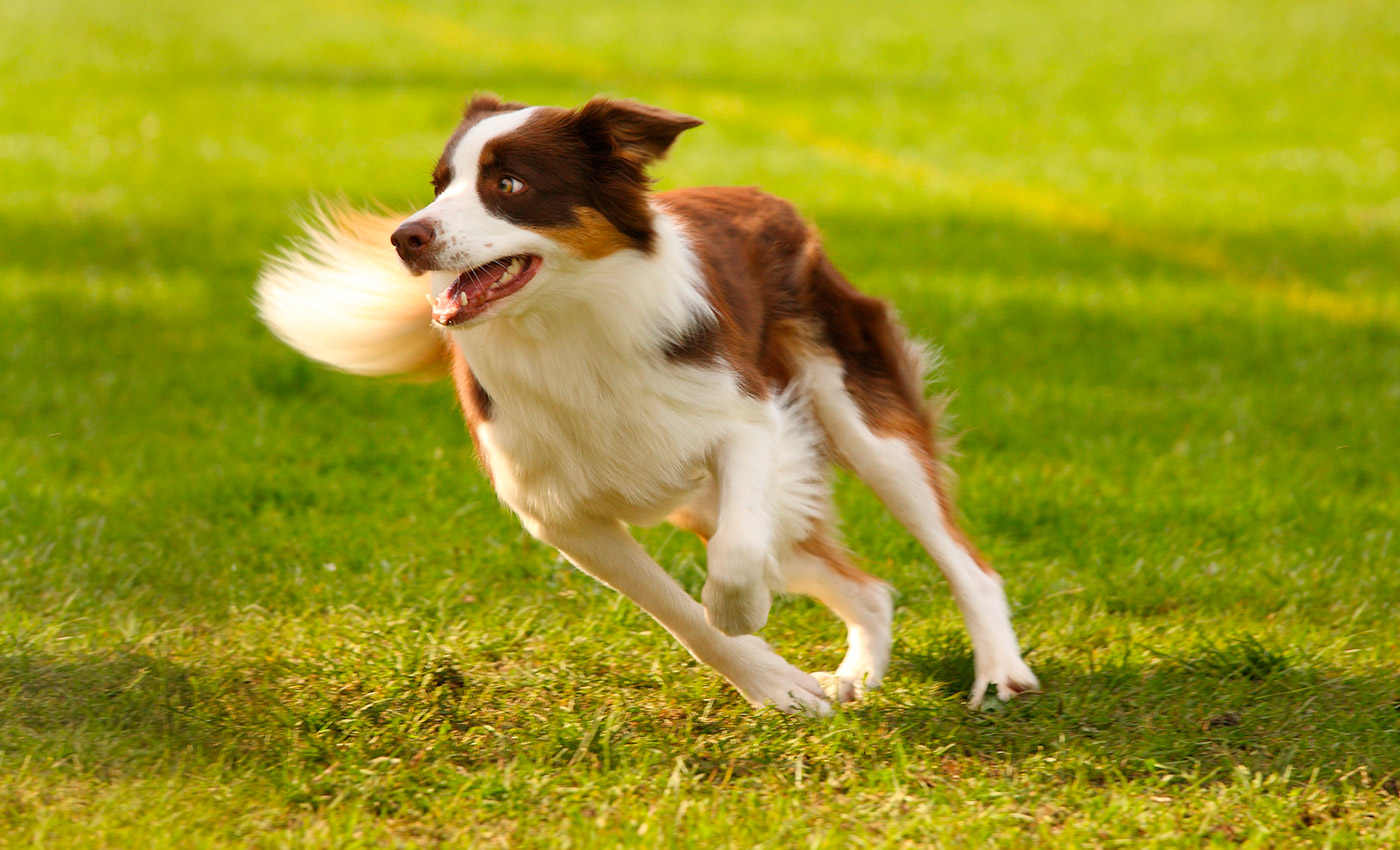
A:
x,y
795,692
736,608
1012,677
853,679
841,689
769,680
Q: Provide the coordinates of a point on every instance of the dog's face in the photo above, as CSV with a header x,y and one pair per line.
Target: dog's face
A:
x,y
527,194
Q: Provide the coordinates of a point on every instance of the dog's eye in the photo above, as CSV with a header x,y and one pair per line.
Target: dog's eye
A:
x,y
509,185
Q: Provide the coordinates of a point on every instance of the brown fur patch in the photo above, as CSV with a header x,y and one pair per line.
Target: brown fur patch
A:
x,y
591,237
635,131
698,344
752,249
822,543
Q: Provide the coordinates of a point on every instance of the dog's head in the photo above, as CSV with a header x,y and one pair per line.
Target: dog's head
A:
x,y
526,194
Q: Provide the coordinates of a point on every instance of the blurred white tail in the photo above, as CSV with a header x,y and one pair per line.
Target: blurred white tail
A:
x,y
341,296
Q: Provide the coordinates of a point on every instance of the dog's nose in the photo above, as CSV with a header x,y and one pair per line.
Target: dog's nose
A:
x,y
411,239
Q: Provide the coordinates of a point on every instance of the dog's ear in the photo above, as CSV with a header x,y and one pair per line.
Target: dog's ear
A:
x,y
631,130
486,103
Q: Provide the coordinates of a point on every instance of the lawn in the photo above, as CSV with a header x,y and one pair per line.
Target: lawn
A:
x,y
1158,242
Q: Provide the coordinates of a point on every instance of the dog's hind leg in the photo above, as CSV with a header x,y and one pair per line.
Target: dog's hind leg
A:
x,y
821,568
866,388
902,471
607,552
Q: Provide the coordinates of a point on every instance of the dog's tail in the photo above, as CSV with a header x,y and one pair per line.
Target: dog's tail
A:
x,y
340,296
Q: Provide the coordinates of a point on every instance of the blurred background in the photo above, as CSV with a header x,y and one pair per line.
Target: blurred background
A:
x,y
1158,242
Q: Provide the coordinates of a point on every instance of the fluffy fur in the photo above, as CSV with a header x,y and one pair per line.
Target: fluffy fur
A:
x,y
624,357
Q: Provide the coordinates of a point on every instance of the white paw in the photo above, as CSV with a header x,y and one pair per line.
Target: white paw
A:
x,y
736,608
840,688
1011,677
850,681
769,680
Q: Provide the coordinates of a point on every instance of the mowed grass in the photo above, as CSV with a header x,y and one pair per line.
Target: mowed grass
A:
x,y
245,601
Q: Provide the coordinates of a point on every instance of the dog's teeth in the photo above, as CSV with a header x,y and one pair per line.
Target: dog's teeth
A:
x,y
462,298
511,273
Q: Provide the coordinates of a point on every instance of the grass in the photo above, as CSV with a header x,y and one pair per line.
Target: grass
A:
x,y
1158,243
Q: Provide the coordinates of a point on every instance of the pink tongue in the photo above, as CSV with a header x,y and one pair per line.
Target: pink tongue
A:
x,y
476,284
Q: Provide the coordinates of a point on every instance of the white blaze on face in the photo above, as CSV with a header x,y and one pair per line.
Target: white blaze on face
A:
x,y
469,235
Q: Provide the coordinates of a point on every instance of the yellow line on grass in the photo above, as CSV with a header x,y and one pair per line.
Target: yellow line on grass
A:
x,y
1039,204
1291,291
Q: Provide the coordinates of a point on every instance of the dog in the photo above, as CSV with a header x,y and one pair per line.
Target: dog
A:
x,y
626,357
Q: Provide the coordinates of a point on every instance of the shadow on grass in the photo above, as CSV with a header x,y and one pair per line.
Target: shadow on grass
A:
x,y
283,722
1222,705
98,707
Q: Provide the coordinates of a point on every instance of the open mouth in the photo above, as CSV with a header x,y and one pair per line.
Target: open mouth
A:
x,y
474,289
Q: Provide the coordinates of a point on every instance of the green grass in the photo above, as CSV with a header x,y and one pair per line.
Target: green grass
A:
x,y
1158,242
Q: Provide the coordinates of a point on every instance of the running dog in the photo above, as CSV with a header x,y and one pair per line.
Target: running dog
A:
x,y
625,357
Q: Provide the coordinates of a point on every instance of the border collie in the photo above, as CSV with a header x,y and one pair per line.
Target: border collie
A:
x,y
625,357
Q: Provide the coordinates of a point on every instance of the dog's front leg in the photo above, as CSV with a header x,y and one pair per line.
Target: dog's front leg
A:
x,y
607,552
740,568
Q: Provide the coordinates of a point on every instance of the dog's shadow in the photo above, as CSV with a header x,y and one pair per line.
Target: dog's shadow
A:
x,y
1213,712
1221,706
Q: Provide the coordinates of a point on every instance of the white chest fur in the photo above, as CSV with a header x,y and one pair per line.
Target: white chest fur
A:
x,y
588,417
584,442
